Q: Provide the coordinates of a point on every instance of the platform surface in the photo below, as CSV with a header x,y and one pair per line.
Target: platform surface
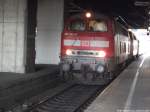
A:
x,y
129,92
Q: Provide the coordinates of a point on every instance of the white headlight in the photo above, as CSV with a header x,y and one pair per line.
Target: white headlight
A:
x,y
68,52
88,15
100,69
102,54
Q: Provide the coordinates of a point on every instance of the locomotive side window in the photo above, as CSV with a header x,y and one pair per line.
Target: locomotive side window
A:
x,y
97,25
125,48
120,47
77,25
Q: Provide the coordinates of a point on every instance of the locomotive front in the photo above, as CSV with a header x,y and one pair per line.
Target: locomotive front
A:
x,y
86,47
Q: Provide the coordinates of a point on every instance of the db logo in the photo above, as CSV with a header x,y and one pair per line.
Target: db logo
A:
x,y
85,43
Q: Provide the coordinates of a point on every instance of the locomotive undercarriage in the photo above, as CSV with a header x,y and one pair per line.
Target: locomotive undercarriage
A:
x,y
85,70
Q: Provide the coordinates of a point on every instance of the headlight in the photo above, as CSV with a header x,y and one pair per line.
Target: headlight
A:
x,y
102,54
68,52
88,15
100,69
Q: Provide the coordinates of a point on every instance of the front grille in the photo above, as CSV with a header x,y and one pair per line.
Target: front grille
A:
x,y
90,53
85,53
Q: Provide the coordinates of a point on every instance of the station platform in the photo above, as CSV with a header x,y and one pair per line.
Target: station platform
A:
x,y
129,92
16,88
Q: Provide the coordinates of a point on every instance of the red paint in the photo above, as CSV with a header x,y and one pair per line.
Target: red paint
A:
x,y
86,37
85,44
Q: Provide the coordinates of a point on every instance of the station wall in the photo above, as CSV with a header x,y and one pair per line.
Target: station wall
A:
x,y
12,35
49,27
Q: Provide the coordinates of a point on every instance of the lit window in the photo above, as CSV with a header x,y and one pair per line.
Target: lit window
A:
x,y
77,25
98,25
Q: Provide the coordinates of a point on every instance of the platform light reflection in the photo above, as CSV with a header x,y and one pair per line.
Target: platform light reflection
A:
x,y
144,39
119,110
132,88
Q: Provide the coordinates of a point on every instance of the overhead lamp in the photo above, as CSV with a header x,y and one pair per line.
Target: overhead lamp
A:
x,y
140,3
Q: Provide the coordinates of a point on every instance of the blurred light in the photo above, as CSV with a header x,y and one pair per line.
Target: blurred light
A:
x,y
144,40
100,69
88,15
140,3
102,54
129,29
68,52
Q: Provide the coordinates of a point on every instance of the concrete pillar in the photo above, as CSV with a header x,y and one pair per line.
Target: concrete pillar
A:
x,y
31,33
49,28
12,35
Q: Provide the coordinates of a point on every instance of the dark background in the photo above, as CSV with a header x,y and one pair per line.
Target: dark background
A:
x,y
135,16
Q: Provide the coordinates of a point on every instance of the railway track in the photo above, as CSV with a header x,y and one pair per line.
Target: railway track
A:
x,y
75,98
72,99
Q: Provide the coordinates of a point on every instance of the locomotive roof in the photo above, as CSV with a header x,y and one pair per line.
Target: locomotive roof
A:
x,y
96,16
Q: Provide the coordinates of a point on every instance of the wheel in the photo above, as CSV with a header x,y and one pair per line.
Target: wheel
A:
x,y
84,72
66,75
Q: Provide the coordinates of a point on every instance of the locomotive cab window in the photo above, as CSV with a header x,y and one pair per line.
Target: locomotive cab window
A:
x,y
77,25
97,26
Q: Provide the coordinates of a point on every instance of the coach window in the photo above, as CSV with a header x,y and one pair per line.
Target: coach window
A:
x,y
120,47
77,25
98,25
125,48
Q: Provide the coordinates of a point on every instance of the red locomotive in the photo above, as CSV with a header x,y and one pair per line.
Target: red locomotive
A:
x,y
92,47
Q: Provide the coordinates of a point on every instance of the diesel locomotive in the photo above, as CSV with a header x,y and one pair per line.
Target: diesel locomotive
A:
x,y
93,46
